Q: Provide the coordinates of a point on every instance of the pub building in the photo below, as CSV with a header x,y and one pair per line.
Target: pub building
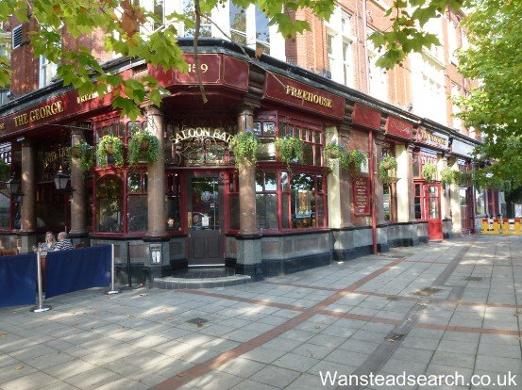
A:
x,y
194,207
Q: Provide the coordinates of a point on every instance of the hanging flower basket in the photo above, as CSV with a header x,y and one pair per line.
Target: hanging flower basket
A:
x,y
109,151
387,165
448,176
429,172
84,152
244,146
357,160
335,153
143,147
289,149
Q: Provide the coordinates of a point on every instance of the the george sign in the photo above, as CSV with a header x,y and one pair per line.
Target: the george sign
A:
x,y
291,92
398,128
432,138
361,196
365,116
462,148
216,69
52,110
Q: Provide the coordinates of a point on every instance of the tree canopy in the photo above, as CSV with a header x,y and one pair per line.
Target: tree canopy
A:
x,y
494,106
132,30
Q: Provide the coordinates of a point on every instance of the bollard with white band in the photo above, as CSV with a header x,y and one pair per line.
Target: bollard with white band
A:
x,y
40,307
112,290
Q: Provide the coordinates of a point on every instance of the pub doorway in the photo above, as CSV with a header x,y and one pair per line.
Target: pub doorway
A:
x,y
205,218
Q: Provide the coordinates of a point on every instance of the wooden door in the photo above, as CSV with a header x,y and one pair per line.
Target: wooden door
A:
x,y
205,219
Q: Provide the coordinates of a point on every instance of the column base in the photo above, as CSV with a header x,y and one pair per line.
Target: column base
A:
x,y
248,260
156,237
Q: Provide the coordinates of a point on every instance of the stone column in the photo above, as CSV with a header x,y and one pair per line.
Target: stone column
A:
x,y
249,241
333,184
157,220
28,216
403,183
411,186
78,204
455,202
379,193
442,163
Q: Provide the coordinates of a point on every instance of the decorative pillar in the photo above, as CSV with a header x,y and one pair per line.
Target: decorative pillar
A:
x,y
455,202
156,236
442,163
379,192
403,183
28,217
157,220
78,204
411,185
333,184
249,241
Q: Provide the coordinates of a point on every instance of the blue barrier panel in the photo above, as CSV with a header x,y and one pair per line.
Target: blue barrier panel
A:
x,y
17,280
77,269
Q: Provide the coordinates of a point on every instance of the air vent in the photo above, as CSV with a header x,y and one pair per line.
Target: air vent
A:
x,y
17,36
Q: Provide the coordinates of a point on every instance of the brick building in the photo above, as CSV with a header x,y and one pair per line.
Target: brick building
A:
x,y
193,206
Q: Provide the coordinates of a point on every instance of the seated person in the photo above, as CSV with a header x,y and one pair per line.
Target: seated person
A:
x,y
49,244
63,243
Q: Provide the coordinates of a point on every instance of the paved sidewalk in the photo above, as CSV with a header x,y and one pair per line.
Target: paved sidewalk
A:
x,y
431,309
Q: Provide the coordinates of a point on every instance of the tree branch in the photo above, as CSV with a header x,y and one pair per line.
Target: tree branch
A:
x,y
197,12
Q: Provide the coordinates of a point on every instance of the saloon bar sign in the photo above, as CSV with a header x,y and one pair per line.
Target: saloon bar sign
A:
x,y
361,196
216,69
288,91
217,133
432,138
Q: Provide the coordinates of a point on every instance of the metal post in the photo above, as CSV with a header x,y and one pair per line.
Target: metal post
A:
x,y
112,290
40,307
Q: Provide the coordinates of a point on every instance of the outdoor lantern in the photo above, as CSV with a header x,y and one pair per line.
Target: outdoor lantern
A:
x,y
61,180
13,185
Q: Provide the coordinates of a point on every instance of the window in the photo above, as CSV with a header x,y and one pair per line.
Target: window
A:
x,y
137,202
238,24
377,76
109,216
233,201
265,132
339,39
419,199
455,94
205,29
47,72
312,141
266,200
429,95
262,31
17,34
452,41
303,200
173,202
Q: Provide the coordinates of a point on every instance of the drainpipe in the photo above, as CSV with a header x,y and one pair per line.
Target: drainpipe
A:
x,y
371,168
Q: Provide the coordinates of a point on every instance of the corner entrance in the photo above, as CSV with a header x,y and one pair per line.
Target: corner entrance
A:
x,y
205,219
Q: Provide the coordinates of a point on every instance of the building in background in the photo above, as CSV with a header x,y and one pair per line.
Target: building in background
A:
x,y
193,206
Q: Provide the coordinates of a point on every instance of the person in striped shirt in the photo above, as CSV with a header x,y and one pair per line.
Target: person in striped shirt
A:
x,y
63,243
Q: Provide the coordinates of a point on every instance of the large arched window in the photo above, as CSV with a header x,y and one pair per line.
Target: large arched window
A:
x,y
109,213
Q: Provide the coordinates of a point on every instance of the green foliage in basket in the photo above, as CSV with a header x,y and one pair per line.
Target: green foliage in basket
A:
x,y
143,146
244,147
109,145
